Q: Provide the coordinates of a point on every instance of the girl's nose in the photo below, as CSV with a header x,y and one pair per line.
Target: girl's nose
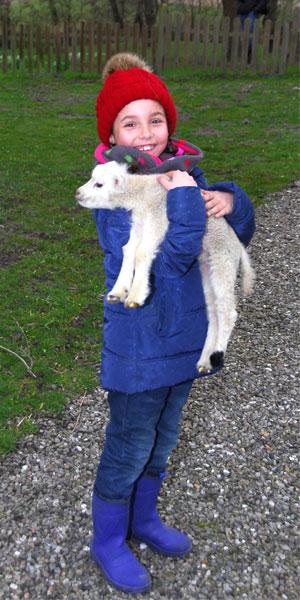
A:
x,y
145,132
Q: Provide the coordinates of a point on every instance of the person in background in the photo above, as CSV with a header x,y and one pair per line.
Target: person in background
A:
x,y
252,10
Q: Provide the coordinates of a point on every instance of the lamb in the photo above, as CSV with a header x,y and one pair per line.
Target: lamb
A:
x,y
112,186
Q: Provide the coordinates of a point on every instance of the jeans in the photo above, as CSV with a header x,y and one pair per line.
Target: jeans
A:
x,y
251,16
143,429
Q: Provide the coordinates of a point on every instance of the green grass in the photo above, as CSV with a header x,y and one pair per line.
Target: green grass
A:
x,y
51,281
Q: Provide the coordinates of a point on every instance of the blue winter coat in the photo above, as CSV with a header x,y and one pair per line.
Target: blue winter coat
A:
x,y
160,343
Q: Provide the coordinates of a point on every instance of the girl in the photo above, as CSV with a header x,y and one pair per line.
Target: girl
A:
x,y
149,353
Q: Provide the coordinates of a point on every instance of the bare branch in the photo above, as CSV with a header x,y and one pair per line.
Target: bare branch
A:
x,y
20,358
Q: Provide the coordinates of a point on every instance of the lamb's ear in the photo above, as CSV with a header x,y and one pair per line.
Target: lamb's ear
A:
x,y
120,183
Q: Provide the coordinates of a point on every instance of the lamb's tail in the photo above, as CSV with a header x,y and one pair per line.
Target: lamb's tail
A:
x,y
247,273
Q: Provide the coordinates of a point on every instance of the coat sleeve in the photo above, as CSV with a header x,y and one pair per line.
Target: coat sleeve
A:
x,y
242,218
182,243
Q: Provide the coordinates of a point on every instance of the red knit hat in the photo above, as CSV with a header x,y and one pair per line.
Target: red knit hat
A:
x,y
127,78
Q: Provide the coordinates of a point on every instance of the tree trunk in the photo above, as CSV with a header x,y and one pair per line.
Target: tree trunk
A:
x,y
150,11
139,15
53,12
117,16
272,12
230,8
5,5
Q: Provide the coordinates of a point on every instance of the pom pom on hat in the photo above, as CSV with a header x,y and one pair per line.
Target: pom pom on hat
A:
x,y
123,62
126,78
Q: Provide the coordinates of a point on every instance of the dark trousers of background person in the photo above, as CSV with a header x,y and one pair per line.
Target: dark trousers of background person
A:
x,y
252,16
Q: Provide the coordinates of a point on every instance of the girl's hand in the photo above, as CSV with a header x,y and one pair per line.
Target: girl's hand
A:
x,y
174,179
217,204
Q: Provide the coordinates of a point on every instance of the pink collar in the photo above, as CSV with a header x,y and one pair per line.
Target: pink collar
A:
x,y
179,154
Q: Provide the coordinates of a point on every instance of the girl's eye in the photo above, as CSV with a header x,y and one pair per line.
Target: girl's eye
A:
x,y
129,124
156,121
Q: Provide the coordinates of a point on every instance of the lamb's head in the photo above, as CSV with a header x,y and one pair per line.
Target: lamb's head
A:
x,y
106,182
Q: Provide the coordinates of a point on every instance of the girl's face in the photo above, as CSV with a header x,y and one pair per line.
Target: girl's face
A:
x,y
141,124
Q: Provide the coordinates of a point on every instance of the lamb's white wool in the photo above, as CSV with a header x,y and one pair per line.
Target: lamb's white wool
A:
x,y
110,187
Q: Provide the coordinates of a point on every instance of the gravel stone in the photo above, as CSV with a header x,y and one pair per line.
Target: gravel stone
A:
x,y
232,481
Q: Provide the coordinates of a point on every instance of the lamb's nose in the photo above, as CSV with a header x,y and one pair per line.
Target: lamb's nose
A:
x,y
77,195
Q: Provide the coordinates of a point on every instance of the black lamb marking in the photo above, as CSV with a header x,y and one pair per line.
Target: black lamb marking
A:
x,y
134,168
217,359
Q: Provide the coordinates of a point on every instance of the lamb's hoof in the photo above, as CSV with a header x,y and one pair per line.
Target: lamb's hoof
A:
x,y
217,359
203,370
132,305
111,299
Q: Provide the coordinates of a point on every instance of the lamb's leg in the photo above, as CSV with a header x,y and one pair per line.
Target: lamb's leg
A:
x,y
122,286
140,288
223,281
151,236
227,316
204,364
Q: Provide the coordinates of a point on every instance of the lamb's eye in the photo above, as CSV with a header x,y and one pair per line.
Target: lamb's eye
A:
x,y
98,185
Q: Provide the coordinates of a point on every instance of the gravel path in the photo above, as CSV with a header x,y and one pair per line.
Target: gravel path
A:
x,y
232,480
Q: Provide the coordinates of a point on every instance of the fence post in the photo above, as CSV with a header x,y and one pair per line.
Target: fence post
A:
x,y
177,40
82,48
4,44
160,45
186,40
21,46
255,43
117,37
48,46
108,33
38,48
135,37
153,45
225,43
215,44
294,45
284,47
57,47
145,37
99,47
266,45
74,46
168,42
66,40
29,47
196,43
13,45
245,45
126,36
235,43
91,45
276,45
205,44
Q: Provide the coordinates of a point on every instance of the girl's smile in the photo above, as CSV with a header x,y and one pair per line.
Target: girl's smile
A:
x,y
142,124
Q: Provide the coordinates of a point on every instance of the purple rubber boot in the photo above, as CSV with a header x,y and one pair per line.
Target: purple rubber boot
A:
x,y
110,551
146,525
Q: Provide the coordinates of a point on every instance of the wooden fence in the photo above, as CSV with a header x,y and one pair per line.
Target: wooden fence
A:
x,y
173,43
